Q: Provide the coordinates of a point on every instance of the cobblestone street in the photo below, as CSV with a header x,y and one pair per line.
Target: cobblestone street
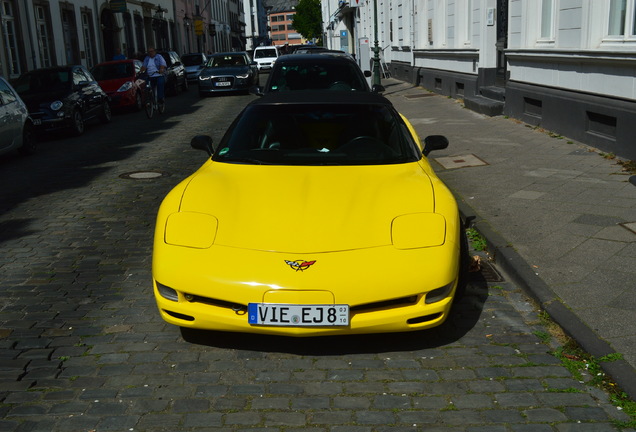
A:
x,y
83,348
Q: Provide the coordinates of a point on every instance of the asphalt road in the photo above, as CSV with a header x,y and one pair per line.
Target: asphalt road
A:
x,y
82,347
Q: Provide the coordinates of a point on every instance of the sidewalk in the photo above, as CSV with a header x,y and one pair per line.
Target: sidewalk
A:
x,y
560,219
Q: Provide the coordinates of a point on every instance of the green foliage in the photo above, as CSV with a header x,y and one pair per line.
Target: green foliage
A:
x,y
476,239
308,20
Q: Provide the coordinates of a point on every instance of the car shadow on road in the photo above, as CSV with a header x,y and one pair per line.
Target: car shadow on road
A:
x,y
464,315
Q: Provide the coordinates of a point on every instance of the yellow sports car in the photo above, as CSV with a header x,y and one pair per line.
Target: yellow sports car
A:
x,y
317,214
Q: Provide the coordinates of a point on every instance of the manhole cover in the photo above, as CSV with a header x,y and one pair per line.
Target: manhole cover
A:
x,y
463,161
140,175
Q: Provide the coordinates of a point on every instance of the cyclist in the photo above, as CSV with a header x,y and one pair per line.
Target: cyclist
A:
x,y
155,66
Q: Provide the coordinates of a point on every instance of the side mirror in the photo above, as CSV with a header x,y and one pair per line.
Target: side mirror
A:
x,y
434,142
256,90
377,88
202,142
253,63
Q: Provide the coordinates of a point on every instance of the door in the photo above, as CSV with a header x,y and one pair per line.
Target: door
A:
x,y
502,41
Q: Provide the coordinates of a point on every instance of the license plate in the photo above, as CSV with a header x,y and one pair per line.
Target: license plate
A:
x,y
223,83
37,122
291,315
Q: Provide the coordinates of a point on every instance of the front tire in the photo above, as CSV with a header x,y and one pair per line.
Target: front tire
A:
x,y
77,123
29,141
139,103
107,114
185,85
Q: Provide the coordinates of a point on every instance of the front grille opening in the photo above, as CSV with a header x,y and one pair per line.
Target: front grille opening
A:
x,y
398,302
423,319
179,316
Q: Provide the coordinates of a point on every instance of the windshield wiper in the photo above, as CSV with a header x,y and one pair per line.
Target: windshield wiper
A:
x,y
245,160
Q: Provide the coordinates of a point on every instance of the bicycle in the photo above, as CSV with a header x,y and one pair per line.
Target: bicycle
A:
x,y
150,97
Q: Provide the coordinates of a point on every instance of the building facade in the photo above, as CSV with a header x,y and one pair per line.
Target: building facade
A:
x,y
568,66
42,33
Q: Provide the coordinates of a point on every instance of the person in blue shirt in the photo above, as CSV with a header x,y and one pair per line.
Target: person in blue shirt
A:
x,y
155,66
118,55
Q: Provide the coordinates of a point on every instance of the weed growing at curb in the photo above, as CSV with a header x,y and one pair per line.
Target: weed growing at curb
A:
x,y
628,166
477,240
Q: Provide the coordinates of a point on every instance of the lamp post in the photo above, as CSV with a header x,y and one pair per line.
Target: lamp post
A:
x,y
376,47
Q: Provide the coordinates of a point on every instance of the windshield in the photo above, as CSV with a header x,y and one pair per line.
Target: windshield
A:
x,y
43,81
264,53
304,134
318,75
227,61
113,71
192,60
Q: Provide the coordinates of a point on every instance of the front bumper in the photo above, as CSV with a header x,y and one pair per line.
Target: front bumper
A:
x,y
386,289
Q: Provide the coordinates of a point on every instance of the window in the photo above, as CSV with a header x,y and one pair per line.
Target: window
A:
x,y
87,33
6,93
41,14
622,19
547,20
9,30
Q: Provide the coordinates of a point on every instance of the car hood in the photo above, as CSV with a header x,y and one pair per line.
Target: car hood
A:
x,y
307,209
229,70
114,84
34,101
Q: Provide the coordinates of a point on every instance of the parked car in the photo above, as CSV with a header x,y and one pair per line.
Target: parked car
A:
x,y
328,71
175,73
228,72
63,97
120,80
16,129
194,64
265,56
330,200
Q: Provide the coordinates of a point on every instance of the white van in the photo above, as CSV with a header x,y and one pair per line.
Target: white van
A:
x,y
265,56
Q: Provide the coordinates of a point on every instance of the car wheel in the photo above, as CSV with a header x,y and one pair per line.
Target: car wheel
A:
x,y
185,85
77,125
139,103
107,114
29,141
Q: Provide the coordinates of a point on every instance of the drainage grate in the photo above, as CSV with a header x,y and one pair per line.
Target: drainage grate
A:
x,y
487,273
142,175
419,95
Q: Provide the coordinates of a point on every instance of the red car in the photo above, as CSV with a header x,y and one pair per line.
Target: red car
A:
x,y
120,80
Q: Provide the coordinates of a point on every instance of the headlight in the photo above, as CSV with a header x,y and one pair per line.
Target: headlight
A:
x,y
243,76
57,105
125,87
418,230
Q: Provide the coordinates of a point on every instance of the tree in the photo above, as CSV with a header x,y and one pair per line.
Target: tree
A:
x,y
308,20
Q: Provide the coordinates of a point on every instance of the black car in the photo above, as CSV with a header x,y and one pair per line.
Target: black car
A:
x,y
175,73
63,97
228,72
322,71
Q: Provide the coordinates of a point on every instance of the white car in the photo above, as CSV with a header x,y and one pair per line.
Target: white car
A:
x,y
16,129
265,56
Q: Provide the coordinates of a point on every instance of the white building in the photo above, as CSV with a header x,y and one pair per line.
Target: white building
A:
x,y
566,65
